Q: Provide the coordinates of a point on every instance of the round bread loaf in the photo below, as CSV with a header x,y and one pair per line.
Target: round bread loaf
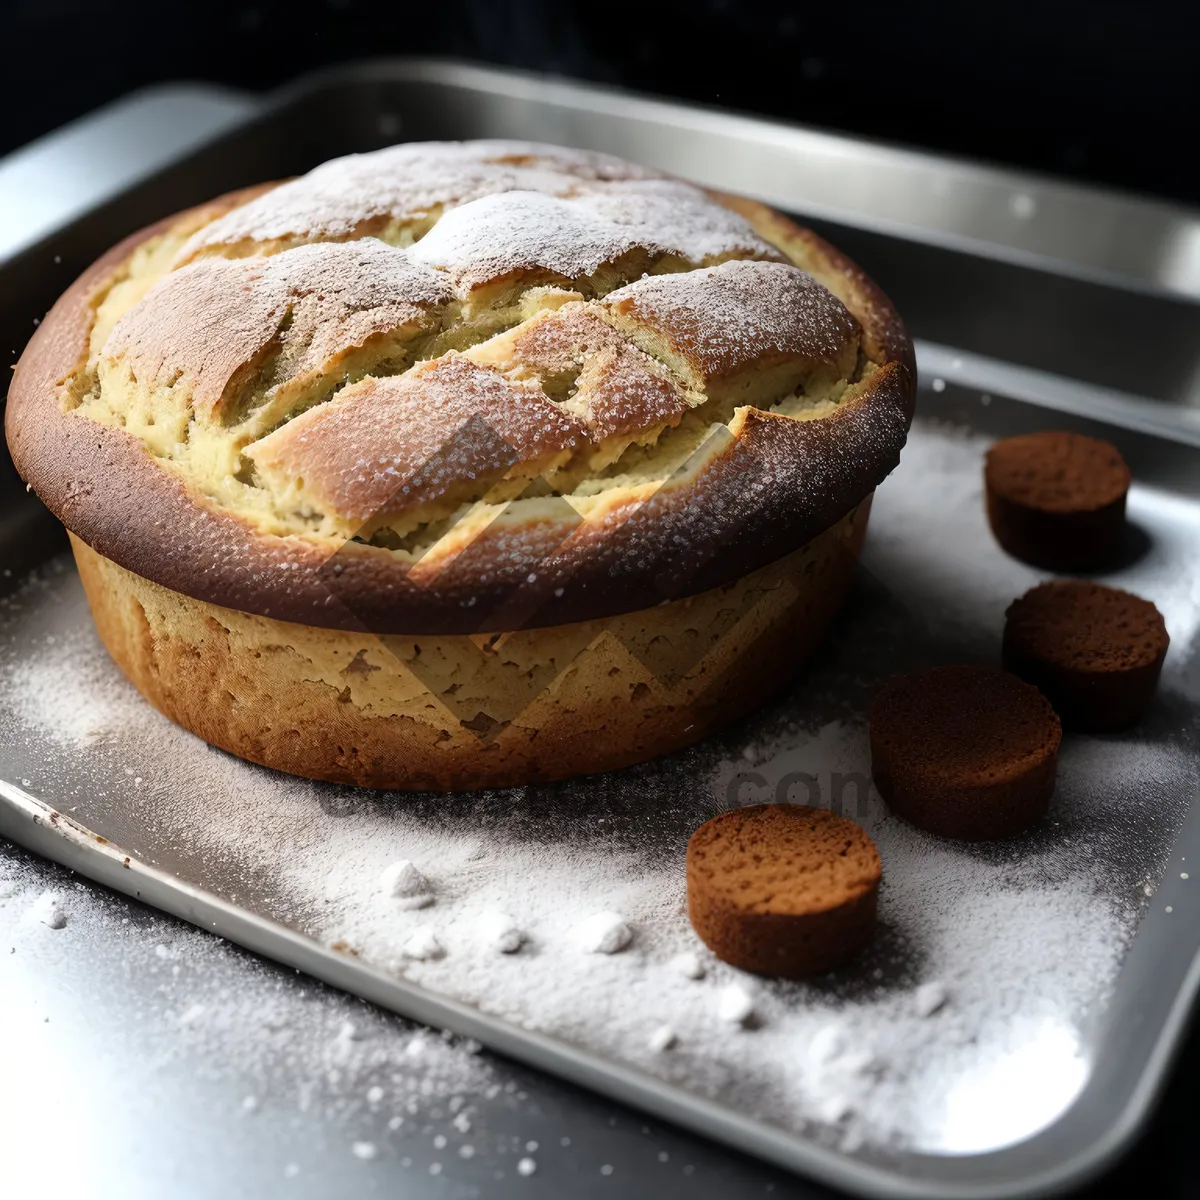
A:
x,y
1057,500
782,889
462,464
1095,652
964,752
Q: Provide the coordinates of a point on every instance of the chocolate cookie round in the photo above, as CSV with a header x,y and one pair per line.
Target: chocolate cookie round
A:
x,y
1095,652
964,752
782,889
1057,500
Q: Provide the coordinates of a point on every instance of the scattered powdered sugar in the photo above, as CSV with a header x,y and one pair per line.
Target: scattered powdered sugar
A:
x,y
48,909
422,944
735,1004
521,231
929,997
604,933
966,1025
572,236
275,1038
405,884
1023,960
561,210
96,707
405,182
741,311
688,964
1176,593
498,929
678,216
211,318
967,606
663,1038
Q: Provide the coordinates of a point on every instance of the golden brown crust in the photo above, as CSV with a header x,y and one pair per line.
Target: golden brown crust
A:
x,y
885,338
448,713
498,424
618,389
214,322
768,485
770,316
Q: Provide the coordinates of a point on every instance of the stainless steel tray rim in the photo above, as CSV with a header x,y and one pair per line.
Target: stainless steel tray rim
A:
x,y
995,1175
1011,1171
1156,243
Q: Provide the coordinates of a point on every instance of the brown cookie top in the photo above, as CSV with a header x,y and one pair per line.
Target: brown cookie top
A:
x,y
1087,627
963,726
1057,472
783,859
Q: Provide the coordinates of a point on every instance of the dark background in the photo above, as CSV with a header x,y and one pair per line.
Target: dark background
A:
x,y
1099,91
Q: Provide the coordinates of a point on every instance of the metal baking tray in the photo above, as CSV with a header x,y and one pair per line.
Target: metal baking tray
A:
x,y
1017,292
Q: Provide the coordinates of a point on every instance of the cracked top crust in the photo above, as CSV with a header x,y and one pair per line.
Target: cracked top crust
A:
x,y
431,388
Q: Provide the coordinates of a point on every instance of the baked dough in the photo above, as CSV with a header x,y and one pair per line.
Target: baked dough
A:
x,y
964,752
782,889
1096,652
495,392
1057,499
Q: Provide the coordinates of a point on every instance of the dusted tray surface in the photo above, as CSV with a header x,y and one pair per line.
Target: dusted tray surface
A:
x,y
845,1080
1029,941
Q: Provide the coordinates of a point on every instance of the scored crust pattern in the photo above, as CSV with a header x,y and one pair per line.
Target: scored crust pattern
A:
x,y
565,362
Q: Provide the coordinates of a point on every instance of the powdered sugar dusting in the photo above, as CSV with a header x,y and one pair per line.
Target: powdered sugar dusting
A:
x,y
422,944
406,182
1040,950
281,1040
405,884
210,318
680,217
502,932
291,319
735,1004
498,235
966,1025
604,933
49,911
929,997
740,312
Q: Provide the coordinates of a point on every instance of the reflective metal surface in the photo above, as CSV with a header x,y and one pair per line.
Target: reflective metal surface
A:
x,y
357,110
1088,284
57,800
107,1094
900,192
67,173
1091,284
